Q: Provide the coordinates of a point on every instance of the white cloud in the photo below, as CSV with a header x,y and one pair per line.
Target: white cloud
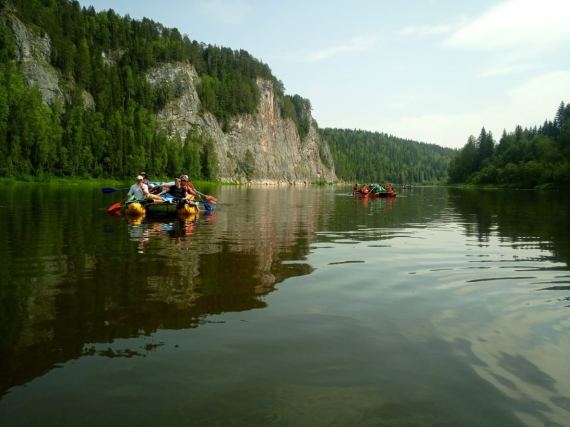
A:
x,y
506,69
429,30
398,105
528,105
524,24
541,92
226,11
357,44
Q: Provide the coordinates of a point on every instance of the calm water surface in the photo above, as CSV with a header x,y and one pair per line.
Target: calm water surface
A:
x,y
286,307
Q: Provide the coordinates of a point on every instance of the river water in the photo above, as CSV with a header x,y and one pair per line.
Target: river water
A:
x,y
286,307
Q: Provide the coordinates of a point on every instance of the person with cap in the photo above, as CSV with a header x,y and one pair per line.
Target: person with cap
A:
x,y
146,181
188,185
375,188
140,191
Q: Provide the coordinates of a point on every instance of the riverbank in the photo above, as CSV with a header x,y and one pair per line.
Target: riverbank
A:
x,y
96,182
545,187
121,183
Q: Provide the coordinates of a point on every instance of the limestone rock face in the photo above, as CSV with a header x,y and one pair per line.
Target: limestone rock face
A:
x,y
34,53
269,145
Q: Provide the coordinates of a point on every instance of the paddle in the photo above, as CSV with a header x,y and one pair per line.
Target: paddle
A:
x,y
116,207
211,199
112,190
206,205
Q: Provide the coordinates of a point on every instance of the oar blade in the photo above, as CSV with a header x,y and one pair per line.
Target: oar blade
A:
x,y
112,190
115,208
210,199
208,207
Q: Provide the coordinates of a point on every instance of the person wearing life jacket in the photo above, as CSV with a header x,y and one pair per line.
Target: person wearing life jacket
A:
x,y
189,186
364,189
356,189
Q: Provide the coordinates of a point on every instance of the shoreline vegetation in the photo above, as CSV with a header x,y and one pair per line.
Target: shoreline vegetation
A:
x,y
512,187
534,158
109,182
96,182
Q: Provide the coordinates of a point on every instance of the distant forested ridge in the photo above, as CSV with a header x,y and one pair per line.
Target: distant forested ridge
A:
x,y
364,157
104,56
524,158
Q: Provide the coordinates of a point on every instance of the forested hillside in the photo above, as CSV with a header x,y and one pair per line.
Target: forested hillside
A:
x,y
362,156
524,158
105,56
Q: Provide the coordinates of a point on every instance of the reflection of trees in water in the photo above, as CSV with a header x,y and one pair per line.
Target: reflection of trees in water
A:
x,y
383,218
77,283
526,219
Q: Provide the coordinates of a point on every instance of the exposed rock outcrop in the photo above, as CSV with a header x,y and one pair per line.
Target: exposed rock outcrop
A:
x,y
33,54
264,143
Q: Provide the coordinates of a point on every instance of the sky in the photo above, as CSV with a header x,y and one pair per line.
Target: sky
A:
x,y
434,71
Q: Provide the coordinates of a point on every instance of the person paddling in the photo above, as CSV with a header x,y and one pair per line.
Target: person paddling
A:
x,y
189,186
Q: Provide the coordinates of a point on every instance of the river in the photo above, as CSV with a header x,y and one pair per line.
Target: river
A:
x,y
287,306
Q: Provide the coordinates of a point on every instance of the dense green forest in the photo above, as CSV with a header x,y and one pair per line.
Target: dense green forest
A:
x,y
524,158
364,157
120,136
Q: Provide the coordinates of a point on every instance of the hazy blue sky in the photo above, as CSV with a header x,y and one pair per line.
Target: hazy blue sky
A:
x,y
435,70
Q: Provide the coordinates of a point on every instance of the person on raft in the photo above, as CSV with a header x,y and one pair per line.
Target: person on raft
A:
x,y
356,188
375,188
140,191
146,181
179,191
189,186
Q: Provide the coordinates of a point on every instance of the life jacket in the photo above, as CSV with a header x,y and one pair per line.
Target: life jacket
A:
x,y
189,188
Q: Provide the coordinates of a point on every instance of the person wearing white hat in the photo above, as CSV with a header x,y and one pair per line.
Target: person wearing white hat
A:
x,y
140,191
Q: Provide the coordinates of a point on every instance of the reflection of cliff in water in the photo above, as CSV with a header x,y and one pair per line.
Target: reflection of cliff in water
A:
x,y
72,276
522,218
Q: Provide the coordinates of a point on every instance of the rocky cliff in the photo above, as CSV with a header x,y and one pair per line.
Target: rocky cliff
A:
x,y
260,148
33,55
268,146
